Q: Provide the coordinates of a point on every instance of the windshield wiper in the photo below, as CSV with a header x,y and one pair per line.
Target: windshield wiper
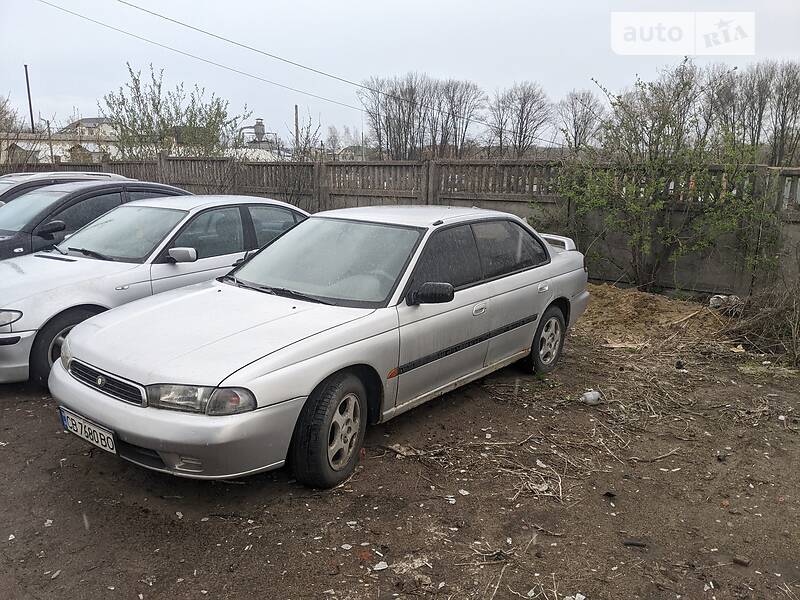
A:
x,y
294,294
92,253
275,291
56,248
242,284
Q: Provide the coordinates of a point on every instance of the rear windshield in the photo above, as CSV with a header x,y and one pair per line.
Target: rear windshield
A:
x,y
19,214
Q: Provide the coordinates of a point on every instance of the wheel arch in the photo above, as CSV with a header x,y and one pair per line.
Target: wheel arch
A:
x,y
563,305
96,308
372,382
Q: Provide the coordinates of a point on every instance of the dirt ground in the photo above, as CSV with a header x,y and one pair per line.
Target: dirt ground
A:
x,y
681,483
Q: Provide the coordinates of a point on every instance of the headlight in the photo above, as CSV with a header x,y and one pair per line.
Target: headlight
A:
x,y
66,354
197,399
186,398
7,317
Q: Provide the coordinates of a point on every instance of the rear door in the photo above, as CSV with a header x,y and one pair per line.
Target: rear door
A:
x,y
76,213
440,343
217,235
517,267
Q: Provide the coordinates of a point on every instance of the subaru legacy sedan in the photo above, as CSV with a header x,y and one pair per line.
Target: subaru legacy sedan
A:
x,y
136,250
351,317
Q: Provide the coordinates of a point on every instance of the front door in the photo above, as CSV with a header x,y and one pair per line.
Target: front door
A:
x,y
218,237
441,343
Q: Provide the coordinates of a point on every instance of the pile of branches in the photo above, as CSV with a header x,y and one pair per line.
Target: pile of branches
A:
x,y
769,322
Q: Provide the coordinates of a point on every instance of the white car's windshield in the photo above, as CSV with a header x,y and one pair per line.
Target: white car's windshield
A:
x,y
338,261
16,215
126,234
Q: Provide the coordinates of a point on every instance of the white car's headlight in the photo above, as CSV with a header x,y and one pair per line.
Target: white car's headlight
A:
x,y
7,317
198,399
66,354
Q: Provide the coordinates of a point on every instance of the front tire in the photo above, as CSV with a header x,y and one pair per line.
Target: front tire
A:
x,y
47,345
330,432
548,343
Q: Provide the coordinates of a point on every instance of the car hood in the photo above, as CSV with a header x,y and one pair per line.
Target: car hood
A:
x,y
44,272
200,334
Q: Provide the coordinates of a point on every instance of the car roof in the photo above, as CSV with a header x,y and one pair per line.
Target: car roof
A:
x,y
79,186
192,203
411,215
89,176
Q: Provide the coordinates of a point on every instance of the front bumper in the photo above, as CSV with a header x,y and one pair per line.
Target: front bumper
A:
x,y
15,353
187,445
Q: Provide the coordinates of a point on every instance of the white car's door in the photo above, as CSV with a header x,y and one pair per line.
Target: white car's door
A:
x,y
218,237
440,343
517,267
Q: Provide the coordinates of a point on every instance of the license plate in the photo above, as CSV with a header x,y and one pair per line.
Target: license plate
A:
x,y
91,432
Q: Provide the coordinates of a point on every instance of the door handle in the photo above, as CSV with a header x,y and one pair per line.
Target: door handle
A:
x,y
478,309
543,288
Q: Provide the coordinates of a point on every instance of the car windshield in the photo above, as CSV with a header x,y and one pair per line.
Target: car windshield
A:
x,y
16,215
126,234
348,263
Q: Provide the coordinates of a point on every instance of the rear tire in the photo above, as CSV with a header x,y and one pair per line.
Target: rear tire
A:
x,y
47,345
330,432
548,343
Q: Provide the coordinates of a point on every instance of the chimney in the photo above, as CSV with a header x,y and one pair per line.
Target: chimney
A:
x,y
259,130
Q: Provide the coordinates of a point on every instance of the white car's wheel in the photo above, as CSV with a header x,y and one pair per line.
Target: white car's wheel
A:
x,y
547,343
47,346
330,432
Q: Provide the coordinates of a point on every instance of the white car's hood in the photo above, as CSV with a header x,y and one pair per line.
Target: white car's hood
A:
x,y
199,334
37,274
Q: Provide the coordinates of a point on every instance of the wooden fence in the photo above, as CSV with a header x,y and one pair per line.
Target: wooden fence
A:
x,y
527,188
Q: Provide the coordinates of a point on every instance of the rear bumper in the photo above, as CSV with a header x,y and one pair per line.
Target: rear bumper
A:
x,y
578,304
187,445
15,353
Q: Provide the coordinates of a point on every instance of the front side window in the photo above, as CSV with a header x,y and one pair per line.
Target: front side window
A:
x,y
126,234
22,212
349,263
213,233
270,222
87,210
450,256
505,247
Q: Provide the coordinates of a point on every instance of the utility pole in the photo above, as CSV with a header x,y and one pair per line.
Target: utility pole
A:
x,y
30,104
296,130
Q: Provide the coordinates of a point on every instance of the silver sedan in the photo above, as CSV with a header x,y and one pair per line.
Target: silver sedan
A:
x,y
352,317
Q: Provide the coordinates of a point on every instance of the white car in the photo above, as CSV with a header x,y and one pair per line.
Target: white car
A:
x,y
136,250
352,317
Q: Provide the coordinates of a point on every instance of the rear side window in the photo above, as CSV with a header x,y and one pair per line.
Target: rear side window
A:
x,y
270,222
450,256
505,247
87,210
214,233
145,194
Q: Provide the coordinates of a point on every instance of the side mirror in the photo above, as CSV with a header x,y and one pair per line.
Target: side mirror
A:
x,y
182,255
48,229
431,293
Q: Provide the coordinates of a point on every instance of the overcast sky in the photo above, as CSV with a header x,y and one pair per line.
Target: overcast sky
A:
x,y
560,43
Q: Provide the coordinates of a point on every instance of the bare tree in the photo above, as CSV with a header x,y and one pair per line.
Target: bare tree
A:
x,y
579,114
305,142
756,91
530,111
785,114
333,142
464,101
499,109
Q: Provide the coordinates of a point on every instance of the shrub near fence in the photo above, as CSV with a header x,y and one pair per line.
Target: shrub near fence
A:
x,y
528,188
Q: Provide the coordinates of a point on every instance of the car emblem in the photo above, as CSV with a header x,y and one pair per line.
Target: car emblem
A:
x,y
100,381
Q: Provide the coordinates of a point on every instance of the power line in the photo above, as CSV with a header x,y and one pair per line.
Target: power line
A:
x,y
200,58
324,73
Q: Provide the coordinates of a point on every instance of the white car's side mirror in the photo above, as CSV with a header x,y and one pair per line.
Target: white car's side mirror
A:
x,y
182,255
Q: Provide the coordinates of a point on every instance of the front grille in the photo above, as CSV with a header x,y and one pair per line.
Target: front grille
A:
x,y
107,384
